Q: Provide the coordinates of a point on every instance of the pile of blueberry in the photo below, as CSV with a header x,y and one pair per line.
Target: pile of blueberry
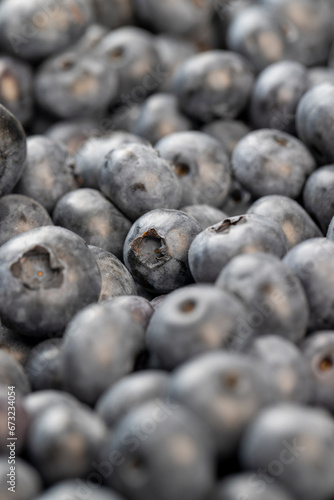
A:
x,y
167,249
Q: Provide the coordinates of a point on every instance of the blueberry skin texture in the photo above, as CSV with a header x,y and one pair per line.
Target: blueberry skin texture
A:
x,y
245,485
108,340
227,132
226,391
276,94
318,196
313,263
87,213
38,402
15,345
238,200
191,321
13,150
49,172
116,279
71,440
214,247
315,123
90,156
130,392
16,84
131,53
318,350
13,374
206,215
292,374
255,34
26,37
43,366
19,214
74,84
113,13
75,489
285,438
156,250
137,180
272,295
160,116
72,133
272,162
158,301
173,462
295,222
212,85
46,276
201,165
139,309
27,488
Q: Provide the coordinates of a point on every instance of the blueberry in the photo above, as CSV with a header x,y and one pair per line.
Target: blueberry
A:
x,y
90,156
206,215
16,88
160,116
226,391
49,172
274,298
38,402
191,321
172,51
43,366
315,123
130,392
13,374
162,451
276,94
63,442
46,276
19,214
100,346
272,162
330,232
212,85
295,222
318,196
72,133
307,27
36,30
213,248
21,419
76,489
87,213
139,309
292,375
201,165
313,263
249,486
255,34
227,132
131,53
158,301
318,350
156,249
28,484
74,84
113,13
137,180
116,279
318,75
13,150
294,443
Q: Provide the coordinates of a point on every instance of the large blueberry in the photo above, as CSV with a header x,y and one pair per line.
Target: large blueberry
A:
x,y
46,276
156,249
